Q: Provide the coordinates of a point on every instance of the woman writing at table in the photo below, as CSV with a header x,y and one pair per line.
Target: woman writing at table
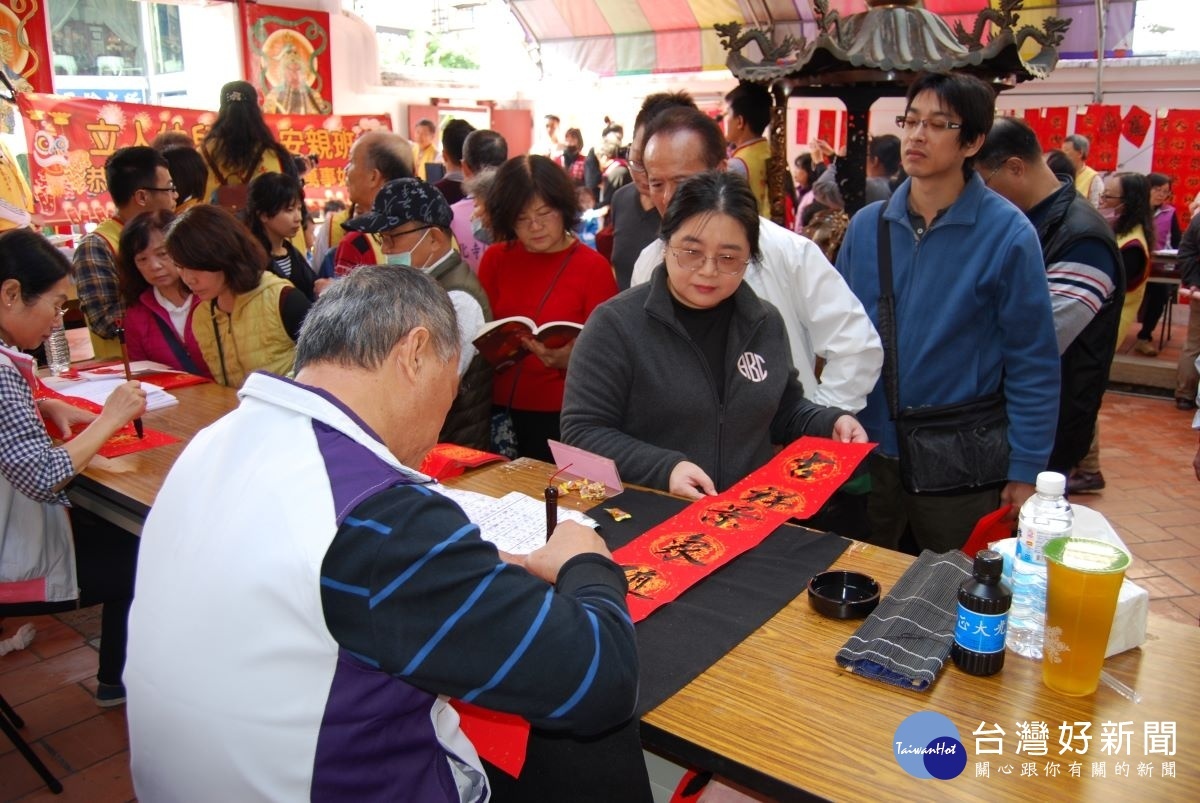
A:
x,y
249,318
53,557
158,305
687,381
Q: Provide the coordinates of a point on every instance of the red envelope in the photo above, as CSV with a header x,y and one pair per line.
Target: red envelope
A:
x,y
500,738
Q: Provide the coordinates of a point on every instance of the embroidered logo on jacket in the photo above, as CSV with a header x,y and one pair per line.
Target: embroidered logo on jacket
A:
x,y
751,366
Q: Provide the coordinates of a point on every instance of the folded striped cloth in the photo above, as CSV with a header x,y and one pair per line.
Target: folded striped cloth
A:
x,y
906,640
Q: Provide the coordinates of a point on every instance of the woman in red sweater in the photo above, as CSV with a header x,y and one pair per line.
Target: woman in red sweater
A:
x,y
539,270
158,305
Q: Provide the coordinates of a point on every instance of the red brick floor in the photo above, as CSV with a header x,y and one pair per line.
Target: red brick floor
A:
x,y
50,685
1152,499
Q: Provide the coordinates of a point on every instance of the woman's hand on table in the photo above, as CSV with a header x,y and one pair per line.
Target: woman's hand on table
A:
x,y
568,540
64,416
551,358
689,481
847,430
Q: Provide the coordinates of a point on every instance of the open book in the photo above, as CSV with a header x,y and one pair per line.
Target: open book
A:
x,y
515,522
500,341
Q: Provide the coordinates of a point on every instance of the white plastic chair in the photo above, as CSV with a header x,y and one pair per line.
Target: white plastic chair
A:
x,y
110,65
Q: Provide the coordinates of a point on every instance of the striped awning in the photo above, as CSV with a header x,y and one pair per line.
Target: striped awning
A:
x,y
626,37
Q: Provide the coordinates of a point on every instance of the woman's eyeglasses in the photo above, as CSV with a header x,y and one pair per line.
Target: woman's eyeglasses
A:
x,y
726,264
541,218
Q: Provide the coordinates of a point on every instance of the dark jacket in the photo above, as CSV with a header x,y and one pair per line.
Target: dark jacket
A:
x,y
469,421
640,391
1189,254
1086,362
302,275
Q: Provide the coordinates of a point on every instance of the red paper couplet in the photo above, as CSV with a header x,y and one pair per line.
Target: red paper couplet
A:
x,y
1101,124
1176,154
669,559
1136,125
1050,125
446,460
124,441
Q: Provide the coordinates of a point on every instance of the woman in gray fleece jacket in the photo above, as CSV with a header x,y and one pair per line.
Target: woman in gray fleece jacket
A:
x,y
687,381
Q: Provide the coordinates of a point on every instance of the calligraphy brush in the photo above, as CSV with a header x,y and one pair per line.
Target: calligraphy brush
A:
x,y
551,494
137,422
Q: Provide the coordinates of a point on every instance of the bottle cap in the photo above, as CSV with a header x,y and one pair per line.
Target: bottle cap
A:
x,y
989,565
1051,483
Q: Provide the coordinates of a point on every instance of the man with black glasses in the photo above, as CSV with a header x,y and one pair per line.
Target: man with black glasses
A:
x,y
139,180
972,312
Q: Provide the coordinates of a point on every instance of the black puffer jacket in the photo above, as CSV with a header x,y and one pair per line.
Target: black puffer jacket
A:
x,y
640,391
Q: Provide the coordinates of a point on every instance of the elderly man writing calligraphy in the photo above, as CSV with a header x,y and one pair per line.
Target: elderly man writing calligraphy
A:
x,y
372,596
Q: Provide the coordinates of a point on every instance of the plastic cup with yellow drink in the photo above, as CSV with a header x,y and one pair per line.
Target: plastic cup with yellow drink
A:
x,y
1083,581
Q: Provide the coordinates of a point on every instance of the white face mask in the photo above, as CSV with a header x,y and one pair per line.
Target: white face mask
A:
x,y
404,258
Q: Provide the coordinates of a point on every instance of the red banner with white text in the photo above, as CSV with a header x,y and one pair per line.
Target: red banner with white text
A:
x,y
70,138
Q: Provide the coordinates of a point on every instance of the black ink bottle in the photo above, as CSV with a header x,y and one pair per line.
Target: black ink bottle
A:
x,y
983,603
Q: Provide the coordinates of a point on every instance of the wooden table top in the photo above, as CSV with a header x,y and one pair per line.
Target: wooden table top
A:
x,y
779,714
132,481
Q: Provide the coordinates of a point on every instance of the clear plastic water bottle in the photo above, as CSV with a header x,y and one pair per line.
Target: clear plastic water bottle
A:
x,y
1044,515
58,351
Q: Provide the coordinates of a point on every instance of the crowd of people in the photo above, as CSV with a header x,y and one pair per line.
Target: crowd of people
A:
x,y
981,269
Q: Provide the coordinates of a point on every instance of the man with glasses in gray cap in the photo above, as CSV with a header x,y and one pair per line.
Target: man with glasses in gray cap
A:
x,y
412,220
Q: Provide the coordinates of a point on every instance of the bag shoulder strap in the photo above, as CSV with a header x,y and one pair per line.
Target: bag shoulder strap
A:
x,y
887,316
176,347
557,276
212,311
887,321
517,377
212,165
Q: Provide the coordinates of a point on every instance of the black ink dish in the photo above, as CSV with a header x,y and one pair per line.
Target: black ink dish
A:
x,y
843,595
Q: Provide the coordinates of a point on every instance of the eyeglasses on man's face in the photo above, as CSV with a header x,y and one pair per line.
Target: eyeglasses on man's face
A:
x,y
169,188
1108,196
726,264
992,173
911,124
390,238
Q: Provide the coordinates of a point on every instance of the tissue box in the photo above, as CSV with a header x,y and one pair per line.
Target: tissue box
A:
x,y
1133,604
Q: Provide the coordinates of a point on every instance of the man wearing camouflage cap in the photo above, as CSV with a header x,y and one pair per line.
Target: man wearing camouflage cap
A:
x,y
413,221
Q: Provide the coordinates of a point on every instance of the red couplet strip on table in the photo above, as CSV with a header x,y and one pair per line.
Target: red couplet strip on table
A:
x,y
166,380
672,557
124,440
